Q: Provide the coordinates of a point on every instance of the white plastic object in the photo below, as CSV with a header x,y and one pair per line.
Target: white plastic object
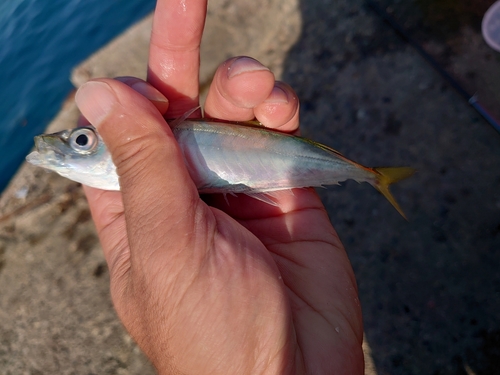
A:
x,y
491,26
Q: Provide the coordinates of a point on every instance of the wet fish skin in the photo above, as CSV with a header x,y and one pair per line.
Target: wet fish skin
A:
x,y
221,157
58,152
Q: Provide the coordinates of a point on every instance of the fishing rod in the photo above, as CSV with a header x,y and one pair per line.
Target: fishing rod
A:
x,y
471,99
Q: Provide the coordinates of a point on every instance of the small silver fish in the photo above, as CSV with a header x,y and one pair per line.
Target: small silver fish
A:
x,y
221,157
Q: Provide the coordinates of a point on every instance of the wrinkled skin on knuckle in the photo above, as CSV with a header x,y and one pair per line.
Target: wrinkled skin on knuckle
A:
x,y
133,157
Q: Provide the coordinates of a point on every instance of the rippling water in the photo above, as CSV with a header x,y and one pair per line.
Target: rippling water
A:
x,y
40,42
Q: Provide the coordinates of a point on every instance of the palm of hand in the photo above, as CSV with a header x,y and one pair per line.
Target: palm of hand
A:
x,y
267,292
318,312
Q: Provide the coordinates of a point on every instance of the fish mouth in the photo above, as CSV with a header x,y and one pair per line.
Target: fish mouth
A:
x,y
47,153
46,144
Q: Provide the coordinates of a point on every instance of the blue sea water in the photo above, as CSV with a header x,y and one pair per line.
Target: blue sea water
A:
x,y
40,42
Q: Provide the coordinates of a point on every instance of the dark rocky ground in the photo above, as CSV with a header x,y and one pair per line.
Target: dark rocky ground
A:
x,y
430,286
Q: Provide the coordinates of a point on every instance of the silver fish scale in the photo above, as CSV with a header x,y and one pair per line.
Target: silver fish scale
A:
x,y
235,158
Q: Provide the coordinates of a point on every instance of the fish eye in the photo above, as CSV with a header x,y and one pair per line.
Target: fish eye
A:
x,y
83,140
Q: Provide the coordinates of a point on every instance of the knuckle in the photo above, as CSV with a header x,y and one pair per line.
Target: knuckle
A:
x,y
133,156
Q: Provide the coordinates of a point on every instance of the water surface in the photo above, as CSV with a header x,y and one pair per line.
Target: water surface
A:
x,y
40,42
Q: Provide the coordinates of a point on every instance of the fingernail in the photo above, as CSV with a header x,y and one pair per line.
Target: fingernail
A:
x,y
149,92
244,65
95,100
278,95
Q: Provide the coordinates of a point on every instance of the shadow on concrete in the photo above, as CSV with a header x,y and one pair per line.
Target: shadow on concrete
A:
x,y
430,287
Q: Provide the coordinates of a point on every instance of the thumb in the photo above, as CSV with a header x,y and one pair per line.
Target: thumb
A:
x,y
157,190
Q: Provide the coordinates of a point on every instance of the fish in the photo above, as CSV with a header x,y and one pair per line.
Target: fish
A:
x,y
221,157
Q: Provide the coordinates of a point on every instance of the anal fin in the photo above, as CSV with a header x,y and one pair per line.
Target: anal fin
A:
x,y
269,197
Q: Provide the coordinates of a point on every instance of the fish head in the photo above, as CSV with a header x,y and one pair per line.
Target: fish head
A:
x,y
65,147
78,154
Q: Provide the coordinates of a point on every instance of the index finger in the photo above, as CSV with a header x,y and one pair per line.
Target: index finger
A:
x,y
174,54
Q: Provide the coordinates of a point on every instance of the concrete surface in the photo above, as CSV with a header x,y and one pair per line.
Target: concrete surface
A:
x,y
263,28
430,287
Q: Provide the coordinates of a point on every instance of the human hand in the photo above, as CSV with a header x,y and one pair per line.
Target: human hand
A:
x,y
238,288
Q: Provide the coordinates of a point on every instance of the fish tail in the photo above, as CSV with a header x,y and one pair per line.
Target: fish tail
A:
x,y
387,176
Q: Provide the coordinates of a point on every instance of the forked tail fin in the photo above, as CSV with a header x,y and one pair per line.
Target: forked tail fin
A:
x,y
388,176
